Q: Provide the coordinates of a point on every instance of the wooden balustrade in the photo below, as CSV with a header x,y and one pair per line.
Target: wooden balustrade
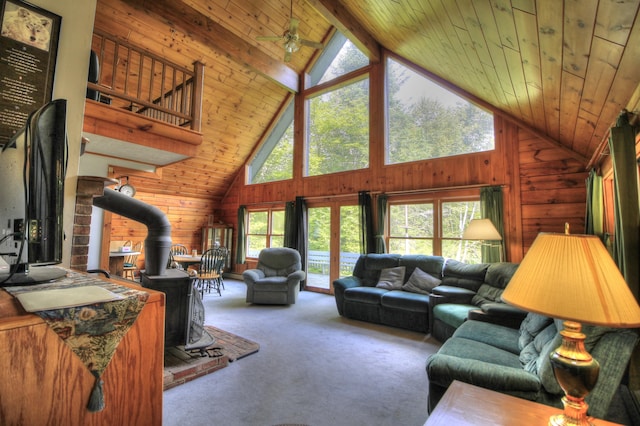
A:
x,y
134,79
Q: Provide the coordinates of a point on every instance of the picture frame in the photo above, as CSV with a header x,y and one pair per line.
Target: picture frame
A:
x,y
28,51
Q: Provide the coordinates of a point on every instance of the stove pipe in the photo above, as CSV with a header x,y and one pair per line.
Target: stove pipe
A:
x,y
158,241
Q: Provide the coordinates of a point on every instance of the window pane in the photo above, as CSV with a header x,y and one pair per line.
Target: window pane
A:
x,y
338,138
258,223
318,240
409,246
279,164
457,215
455,218
255,244
348,58
277,241
411,220
426,121
277,222
274,160
462,250
349,239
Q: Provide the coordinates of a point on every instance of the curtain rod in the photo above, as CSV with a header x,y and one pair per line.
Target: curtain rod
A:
x,y
440,189
406,192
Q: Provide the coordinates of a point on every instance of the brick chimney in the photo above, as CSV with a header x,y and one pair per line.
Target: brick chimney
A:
x,y
87,188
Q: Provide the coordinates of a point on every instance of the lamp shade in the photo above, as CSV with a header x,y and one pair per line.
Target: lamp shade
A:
x,y
481,229
573,277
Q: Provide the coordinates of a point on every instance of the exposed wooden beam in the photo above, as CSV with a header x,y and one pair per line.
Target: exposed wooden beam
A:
x,y
202,28
339,17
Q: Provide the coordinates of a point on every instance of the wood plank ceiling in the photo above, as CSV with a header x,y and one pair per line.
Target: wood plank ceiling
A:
x,y
564,68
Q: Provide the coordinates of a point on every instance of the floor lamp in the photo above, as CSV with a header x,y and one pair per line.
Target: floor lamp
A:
x,y
573,278
483,230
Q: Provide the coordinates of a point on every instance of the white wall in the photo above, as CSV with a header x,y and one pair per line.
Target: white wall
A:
x,y
72,67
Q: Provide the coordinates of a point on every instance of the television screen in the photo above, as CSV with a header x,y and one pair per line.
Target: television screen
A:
x,y
32,172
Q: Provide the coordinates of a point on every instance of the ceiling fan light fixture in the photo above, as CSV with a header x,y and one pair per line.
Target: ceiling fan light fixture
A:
x,y
291,46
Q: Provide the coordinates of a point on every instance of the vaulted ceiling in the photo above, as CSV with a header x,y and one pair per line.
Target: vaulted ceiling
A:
x,y
564,69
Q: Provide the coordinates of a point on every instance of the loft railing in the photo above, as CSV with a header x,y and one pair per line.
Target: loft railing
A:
x,y
131,78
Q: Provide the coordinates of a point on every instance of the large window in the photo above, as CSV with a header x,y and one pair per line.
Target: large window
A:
x,y
337,137
274,160
434,227
426,121
264,229
338,130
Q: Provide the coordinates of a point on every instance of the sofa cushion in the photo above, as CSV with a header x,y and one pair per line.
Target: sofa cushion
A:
x,y
373,264
500,336
398,299
271,284
487,294
421,282
429,264
369,295
469,276
480,351
452,313
531,325
391,278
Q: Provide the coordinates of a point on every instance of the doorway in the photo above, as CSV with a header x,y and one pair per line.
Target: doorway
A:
x,y
333,242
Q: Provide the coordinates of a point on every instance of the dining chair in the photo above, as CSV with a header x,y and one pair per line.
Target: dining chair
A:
x,y
210,270
179,249
131,262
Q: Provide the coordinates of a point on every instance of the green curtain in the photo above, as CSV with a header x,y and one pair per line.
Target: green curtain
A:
x,y
301,233
382,219
594,217
491,208
241,252
367,244
626,250
290,228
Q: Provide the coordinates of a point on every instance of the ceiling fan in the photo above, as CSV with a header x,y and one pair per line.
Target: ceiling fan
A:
x,y
290,38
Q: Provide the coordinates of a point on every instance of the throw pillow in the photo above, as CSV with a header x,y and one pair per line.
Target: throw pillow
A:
x,y
391,278
421,282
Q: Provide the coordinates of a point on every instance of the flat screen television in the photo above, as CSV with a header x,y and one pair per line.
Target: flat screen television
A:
x,y
32,174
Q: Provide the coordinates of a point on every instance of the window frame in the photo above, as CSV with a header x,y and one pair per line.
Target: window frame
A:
x,y
444,86
437,199
270,233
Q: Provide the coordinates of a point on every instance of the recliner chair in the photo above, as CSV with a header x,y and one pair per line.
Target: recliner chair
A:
x,y
276,279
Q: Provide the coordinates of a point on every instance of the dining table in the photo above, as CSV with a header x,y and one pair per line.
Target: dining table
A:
x,y
116,261
186,260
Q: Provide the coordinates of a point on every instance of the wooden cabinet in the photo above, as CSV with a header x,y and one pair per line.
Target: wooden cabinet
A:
x,y
219,235
45,383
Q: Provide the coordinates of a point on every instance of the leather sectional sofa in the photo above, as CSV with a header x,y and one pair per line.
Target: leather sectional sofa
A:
x,y
452,288
357,296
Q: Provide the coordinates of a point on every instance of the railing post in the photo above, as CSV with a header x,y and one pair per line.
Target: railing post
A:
x,y
196,99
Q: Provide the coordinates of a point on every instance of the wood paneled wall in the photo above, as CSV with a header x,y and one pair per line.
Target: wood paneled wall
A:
x,y
543,188
552,189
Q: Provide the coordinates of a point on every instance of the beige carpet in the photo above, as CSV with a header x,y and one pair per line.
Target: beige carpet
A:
x,y
182,366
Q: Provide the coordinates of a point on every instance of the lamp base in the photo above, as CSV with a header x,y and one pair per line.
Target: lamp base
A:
x,y
575,414
576,372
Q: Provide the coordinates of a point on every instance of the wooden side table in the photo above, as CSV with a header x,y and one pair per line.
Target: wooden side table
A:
x,y
467,405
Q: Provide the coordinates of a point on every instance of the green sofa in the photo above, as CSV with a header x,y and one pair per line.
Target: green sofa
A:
x,y
457,290
357,296
516,361
472,291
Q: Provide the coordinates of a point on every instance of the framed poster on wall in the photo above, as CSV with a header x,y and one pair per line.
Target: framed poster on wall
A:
x,y
28,50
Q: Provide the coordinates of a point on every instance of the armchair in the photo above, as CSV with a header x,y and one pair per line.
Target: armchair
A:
x,y
276,279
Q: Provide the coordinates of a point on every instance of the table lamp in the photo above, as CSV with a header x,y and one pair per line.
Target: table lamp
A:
x,y
482,229
573,278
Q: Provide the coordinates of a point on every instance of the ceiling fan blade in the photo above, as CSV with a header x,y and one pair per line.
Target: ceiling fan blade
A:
x,y
269,38
310,43
293,25
287,56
